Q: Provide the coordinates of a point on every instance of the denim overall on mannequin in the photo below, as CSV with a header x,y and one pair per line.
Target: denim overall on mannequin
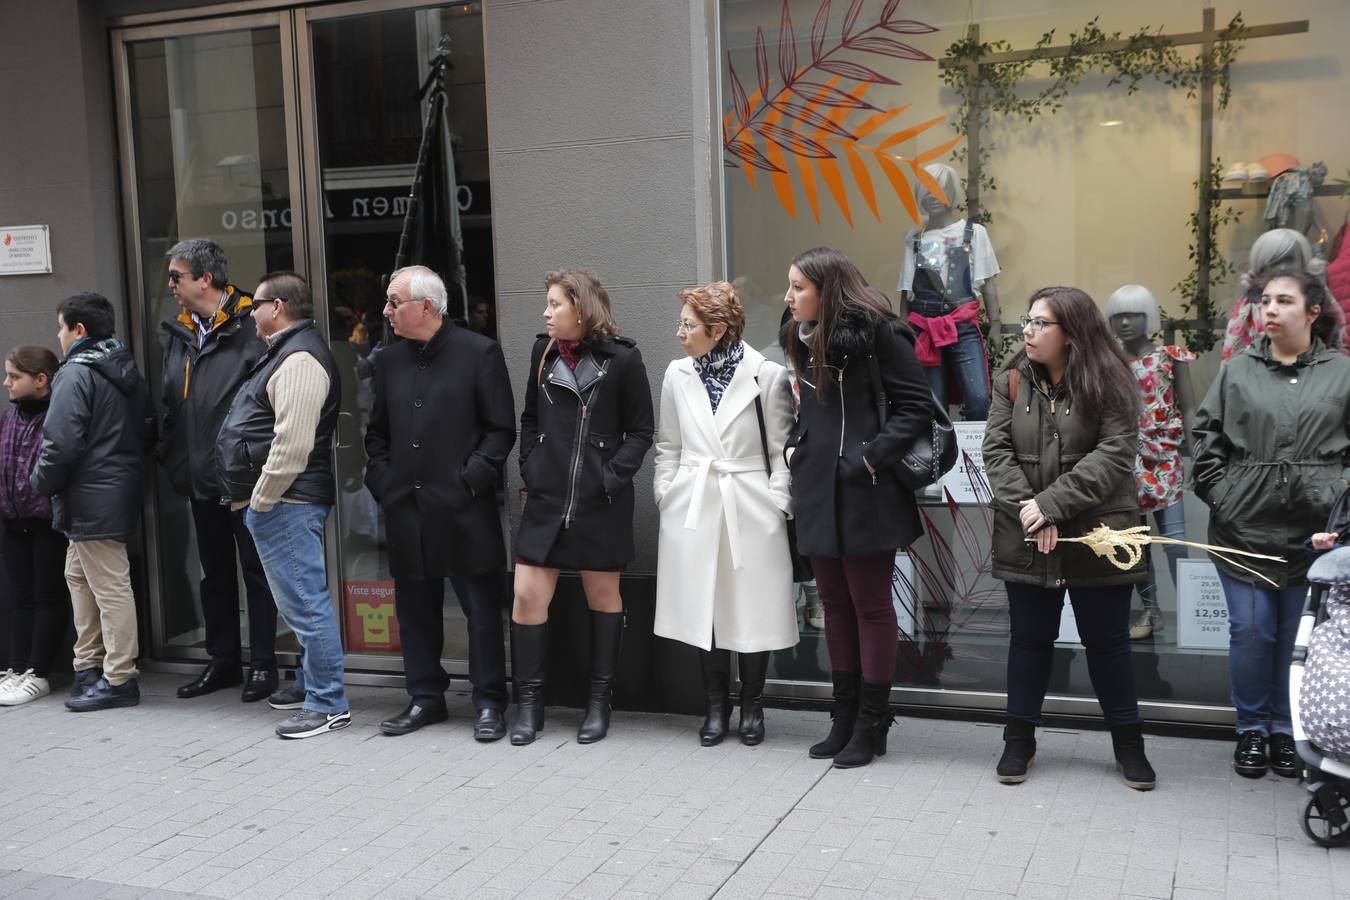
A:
x,y
932,298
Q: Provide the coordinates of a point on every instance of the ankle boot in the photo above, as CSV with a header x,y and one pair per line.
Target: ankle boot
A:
x,y
869,732
1019,749
606,637
528,646
1128,741
843,714
717,685
754,669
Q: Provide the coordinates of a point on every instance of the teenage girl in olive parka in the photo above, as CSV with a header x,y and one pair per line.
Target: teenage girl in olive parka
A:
x,y
1272,441
1059,453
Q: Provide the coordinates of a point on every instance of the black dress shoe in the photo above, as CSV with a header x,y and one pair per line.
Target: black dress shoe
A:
x,y
417,715
1283,755
490,726
214,677
1249,760
260,684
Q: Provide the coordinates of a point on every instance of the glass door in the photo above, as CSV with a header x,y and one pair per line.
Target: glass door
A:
x,y
361,100
209,150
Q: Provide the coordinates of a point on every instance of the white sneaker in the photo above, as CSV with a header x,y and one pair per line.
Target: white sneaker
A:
x,y
25,689
7,676
1257,174
1236,176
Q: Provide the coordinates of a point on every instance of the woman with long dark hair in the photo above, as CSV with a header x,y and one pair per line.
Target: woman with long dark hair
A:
x,y
852,512
1272,453
1059,452
586,425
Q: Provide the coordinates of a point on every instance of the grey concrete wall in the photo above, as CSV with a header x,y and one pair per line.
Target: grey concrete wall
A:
x,y
59,167
598,118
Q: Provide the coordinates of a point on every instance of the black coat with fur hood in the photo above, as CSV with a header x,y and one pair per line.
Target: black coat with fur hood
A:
x,y
845,496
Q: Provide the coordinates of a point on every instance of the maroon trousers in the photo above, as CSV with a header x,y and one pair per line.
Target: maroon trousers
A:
x,y
861,631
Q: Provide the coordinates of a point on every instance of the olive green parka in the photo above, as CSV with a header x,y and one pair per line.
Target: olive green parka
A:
x,y
1078,467
1272,442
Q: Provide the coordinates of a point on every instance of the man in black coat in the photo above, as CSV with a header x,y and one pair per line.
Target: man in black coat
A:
x,y
209,348
442,426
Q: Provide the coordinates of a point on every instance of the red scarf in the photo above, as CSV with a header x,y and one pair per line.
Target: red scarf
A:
x,y
570,351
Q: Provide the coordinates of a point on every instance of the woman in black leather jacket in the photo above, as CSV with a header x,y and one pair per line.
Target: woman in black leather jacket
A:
x,y
586,425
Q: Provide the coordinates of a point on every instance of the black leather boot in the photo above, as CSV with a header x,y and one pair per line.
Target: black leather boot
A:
x,y
869,732
1128,741
1019,749
754,669
606,638
843,714
528,646
717,685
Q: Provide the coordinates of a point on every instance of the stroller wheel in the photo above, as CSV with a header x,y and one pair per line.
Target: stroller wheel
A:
x,y
1326,818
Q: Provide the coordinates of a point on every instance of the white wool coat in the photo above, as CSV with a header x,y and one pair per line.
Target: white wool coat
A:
x,y
723,566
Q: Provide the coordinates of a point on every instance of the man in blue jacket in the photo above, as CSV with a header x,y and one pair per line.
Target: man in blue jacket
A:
x,y
91,463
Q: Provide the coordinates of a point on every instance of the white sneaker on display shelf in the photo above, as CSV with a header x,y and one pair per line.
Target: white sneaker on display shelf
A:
x,y
1236,176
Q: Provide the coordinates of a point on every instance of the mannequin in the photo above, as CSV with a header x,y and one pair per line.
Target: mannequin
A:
x,y
1279,248
1165,420
948,266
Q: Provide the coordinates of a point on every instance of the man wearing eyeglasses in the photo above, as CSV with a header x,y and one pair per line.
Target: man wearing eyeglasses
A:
x,y
209,348
443,424
275,464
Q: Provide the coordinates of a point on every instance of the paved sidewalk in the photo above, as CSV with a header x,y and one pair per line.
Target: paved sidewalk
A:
x,y
198,797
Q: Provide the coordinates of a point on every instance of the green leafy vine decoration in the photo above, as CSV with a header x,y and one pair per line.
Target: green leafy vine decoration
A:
x,y
991,89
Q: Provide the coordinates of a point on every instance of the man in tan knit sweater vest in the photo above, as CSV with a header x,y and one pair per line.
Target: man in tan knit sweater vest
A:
x,y
274,461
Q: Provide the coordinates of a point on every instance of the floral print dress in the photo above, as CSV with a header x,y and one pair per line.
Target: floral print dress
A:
x,y
1158,473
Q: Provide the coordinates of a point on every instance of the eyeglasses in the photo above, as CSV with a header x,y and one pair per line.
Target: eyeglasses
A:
x,y
1036,325
257,300
394,303
176,276
684,326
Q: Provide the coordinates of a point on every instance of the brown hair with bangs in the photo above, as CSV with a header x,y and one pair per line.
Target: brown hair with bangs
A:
x,y
717,304
33,360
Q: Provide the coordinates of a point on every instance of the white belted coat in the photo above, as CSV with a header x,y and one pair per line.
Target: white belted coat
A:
x,y
723,566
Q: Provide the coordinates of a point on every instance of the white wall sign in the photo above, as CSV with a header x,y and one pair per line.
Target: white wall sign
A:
x,y
970,445
903,595
1202,612
25,250
1068,626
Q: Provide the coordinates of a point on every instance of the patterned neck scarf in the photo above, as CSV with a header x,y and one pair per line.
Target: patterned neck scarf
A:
x,y
571,353
716,369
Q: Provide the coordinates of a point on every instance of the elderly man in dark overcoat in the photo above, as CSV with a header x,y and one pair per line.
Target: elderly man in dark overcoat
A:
x,y
442,426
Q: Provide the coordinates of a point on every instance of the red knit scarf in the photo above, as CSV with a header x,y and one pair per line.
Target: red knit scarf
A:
x,y
570,351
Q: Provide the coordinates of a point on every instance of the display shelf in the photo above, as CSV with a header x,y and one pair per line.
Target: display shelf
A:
x,y
1242,193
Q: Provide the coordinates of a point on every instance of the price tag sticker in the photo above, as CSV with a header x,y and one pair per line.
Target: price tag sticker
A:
x,y
1068,626
1202,611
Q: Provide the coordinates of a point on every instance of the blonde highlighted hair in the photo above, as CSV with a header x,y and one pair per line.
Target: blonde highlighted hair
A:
x,y
717,304
588,295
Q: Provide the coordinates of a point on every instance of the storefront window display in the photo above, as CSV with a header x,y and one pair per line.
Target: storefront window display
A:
x,y
846,124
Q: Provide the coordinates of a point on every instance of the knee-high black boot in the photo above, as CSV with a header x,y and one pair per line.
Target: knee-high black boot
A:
x,y
754,669
717,685
529,644
606,638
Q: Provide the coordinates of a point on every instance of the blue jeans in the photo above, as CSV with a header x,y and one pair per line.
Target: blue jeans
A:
x,y
1171,522
965,360
1262,623
289,538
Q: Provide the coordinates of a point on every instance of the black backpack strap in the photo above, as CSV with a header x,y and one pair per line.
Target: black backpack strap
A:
x,y
763,433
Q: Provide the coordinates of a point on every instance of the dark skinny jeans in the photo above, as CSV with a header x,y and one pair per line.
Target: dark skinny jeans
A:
x,y
861,630
1103,615
35,558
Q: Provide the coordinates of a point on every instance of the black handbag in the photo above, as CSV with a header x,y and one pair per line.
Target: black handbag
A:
x,y
931,455
801,566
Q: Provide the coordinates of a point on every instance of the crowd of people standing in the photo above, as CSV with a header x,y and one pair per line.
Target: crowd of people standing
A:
x,y
759,469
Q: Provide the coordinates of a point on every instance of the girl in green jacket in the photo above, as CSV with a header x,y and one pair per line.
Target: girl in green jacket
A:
x,y
1272,440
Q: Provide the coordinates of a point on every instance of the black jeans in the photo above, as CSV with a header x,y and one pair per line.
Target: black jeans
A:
x,y
220,533
419,603
1103,615
35,558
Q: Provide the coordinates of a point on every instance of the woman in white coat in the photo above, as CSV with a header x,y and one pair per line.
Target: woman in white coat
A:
x,y
724,574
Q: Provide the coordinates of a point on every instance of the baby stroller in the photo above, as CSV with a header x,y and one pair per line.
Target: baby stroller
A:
x,y
1326,777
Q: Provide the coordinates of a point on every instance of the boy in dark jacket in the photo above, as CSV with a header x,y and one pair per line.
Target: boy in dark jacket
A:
x,y
91,466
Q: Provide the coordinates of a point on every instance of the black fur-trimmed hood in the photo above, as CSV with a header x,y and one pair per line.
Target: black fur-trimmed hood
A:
x,y
854,333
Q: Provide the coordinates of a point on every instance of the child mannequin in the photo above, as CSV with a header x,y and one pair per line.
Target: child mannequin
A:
x,y
1164,428
947,267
